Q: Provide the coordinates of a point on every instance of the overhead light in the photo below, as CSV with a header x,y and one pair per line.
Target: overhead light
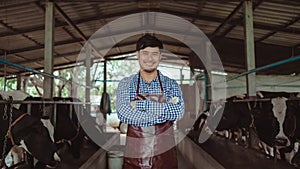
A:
x,y
219,73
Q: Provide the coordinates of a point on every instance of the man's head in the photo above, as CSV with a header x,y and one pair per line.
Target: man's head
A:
x,y
148,52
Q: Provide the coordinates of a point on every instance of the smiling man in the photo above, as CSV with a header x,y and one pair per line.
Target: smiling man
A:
x,y
149,103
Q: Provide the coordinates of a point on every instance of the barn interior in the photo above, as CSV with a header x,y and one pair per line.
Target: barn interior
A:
x,y
250,45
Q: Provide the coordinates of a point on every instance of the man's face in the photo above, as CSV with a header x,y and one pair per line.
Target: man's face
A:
x,y
149,58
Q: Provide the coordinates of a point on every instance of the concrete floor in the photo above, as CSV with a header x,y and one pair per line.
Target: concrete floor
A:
x,y
233,156
88,149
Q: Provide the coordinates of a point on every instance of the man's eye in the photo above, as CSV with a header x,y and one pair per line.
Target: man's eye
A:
x,y
155,53
145,53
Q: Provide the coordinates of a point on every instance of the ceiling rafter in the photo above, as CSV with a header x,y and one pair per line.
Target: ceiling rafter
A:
x,y
240,23
228,18
234,22
293,21
22,34
28,61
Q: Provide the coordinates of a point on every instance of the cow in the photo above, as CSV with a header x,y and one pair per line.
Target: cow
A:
x,y
67,129
277,123
274,116
67,125
235,120
26,131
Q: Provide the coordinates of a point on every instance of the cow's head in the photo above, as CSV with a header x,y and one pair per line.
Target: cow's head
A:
x,y
280,112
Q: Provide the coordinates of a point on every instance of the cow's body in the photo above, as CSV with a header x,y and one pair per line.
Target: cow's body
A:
x,y
67,128
28,132
277,123
67,124
236,118
276,120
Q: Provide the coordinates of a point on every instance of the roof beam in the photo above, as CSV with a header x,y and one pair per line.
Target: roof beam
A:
x,y
22,34
256,26
233,22
31,48
295,20
76,53
228,18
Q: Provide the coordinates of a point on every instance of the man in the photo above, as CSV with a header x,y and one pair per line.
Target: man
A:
x,y
149,103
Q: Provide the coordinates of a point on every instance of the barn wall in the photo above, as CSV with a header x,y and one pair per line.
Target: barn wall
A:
x,y
278,83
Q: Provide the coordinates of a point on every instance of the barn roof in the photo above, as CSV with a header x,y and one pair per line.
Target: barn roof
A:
x,y
276,30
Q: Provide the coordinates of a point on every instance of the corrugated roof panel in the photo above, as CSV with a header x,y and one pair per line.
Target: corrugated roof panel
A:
x,y
39,36
220,10
68,48
15,42
295,25
191,9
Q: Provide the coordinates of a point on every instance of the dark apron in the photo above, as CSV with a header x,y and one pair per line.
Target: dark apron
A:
x,y
150,147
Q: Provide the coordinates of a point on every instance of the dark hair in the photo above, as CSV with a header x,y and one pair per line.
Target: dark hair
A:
x,y
148,41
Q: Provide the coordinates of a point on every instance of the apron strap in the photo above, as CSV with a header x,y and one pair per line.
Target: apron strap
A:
x,y
138,85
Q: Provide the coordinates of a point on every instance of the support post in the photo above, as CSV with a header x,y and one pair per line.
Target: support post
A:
x,y
88,78
104,88
249,47
48,55
19,82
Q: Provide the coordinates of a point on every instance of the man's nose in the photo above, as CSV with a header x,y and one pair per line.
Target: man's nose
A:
x,y
150,57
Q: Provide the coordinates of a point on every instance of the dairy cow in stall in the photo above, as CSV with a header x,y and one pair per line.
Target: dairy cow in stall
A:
x,y
277,123
67,129
27,132
235,120
67,126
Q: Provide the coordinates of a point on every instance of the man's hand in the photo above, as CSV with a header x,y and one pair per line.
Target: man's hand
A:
x,y
133,104
174,100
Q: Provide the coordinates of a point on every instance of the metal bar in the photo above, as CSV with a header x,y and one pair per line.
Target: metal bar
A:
x,y
250,100
262,99
46,102
71,110
28,107
54,115
264,67
39,72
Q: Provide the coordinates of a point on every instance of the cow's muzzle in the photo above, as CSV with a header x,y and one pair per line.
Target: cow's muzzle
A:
x,y
281,141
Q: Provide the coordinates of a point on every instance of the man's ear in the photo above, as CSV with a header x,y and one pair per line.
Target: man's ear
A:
x,y
160,57
137,54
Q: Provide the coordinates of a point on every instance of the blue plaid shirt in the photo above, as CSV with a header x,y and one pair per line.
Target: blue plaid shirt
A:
x,y
149,113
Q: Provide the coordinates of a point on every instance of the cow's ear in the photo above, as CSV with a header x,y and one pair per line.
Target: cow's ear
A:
x,y
284,98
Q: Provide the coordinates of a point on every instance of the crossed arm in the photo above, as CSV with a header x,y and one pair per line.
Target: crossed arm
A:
x,y
145,112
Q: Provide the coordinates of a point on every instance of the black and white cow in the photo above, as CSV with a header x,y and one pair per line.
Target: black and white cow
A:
x,y
234,122
277,123
67,128
276,120
67,125
27,131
